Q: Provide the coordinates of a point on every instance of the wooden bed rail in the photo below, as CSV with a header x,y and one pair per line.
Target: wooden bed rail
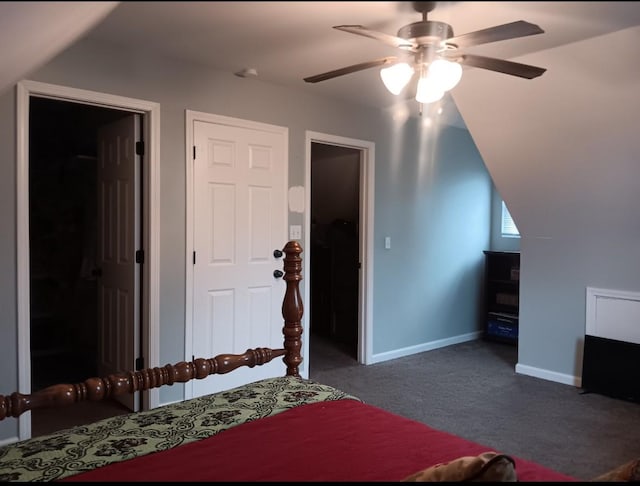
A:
x,y
132,381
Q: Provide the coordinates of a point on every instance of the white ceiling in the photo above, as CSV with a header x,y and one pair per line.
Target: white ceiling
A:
x,y
288,41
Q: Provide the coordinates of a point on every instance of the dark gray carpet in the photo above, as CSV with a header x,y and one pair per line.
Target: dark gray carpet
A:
x,y
472,390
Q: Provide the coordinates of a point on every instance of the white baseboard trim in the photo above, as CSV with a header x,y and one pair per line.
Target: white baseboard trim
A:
x,y
549,375
420,348
10,440
520,369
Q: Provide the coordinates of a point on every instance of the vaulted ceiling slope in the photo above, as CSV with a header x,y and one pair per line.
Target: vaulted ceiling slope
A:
x,y
31,33
564,152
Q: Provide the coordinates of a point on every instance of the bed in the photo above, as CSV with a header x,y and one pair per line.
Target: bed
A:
x,y
276,429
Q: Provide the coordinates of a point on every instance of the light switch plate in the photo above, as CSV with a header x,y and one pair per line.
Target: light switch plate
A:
x,y
295,232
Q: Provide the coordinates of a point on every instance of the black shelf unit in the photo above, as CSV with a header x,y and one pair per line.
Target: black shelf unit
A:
x,y
501,296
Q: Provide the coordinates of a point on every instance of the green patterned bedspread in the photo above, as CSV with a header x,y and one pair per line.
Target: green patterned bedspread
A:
x,y
87,447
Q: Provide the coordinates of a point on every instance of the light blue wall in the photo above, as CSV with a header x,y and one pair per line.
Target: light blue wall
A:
x,y
432,195
436,209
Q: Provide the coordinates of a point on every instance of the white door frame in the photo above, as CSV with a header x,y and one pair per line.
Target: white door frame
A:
x,y
151,230
365,244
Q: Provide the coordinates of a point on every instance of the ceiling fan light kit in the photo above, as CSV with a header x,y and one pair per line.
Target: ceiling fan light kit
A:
x,y
436,60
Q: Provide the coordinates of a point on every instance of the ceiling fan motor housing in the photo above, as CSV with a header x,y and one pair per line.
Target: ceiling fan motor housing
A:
x,y
426,32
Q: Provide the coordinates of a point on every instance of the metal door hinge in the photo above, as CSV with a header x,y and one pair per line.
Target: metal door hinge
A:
x,y
139,363
140,148
140,256
194,257
194,152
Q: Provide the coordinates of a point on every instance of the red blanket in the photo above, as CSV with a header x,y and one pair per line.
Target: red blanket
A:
x,y
342,440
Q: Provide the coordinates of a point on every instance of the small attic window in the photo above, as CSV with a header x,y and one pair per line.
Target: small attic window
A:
x,y
509,229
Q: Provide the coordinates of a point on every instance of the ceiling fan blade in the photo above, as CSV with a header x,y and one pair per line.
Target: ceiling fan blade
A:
x,y
350,69
388,39
500,65
513,30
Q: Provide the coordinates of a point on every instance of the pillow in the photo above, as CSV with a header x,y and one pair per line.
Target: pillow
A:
x,y
488,466
629,471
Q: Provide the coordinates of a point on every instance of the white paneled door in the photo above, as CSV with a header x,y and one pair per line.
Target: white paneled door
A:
x,y
239,203
118,239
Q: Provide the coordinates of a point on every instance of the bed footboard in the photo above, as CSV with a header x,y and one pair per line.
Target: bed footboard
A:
x,y
132,381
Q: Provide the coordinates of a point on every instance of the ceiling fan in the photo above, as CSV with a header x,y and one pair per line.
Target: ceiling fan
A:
x,y
431,57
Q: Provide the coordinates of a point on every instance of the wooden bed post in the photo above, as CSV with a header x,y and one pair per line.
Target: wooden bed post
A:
x,y
292,308
95,389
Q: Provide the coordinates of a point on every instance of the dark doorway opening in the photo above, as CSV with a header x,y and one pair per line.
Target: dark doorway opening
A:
x,y
335,215
62,246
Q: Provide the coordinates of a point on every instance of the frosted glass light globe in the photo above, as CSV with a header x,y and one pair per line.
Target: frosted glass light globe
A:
x,y
428,91
396,77
446,74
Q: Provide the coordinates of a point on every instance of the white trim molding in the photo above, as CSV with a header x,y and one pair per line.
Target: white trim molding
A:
x,y
613,314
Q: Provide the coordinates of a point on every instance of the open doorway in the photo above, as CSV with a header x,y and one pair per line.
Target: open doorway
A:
x,y
67,334
149,176
335,236
355,180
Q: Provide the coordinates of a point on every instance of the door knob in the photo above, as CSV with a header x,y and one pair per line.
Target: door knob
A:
x,y
277,273
277,253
